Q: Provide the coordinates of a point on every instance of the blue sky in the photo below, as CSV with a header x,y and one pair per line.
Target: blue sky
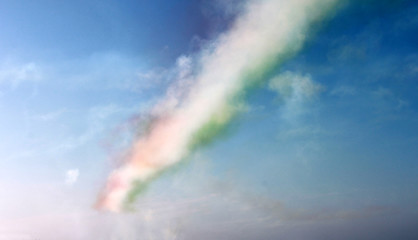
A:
x,y
325,149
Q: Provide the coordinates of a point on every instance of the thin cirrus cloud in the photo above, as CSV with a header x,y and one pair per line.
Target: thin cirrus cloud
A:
x,y
15,74
103,70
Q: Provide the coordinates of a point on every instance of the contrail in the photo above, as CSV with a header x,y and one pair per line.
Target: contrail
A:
x,y
204,100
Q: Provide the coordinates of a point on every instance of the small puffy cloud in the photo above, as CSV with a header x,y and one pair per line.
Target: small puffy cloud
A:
x,y
294,91
71,176
294,86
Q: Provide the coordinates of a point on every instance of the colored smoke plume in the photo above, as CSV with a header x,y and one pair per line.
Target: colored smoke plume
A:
x,y
204,98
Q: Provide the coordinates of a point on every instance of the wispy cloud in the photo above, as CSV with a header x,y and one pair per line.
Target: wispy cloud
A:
x,y
96,123
98,71
15,74
49,116
344,90
294,90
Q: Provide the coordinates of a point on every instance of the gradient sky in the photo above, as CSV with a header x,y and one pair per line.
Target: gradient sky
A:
x,y
331,155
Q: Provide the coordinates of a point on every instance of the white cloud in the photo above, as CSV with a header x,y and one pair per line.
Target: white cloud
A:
x,y
295,86
71,176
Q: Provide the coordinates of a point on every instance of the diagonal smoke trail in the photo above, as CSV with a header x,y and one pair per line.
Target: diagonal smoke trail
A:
x,y
202,103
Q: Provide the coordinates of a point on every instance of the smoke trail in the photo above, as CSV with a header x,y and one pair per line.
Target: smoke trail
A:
x,y
202,102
